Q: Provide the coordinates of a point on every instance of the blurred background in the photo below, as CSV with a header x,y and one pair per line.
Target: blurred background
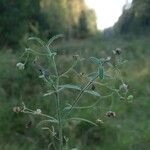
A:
x,y
90,28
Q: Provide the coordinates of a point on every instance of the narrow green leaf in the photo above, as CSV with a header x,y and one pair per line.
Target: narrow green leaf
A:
x,y
45,128
101,72
70,86
41,42
85,120
92,75
52,92
67,107
49,93
107,76
109,64
47,121
92,93
95,60
101,60
54,38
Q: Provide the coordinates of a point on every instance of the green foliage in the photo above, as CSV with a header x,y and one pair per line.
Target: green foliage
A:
x,y
83,26
20,19
129,130
136,19
87,23
53,81
16,19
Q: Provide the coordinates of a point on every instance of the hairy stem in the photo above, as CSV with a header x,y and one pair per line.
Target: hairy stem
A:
x,y
58,107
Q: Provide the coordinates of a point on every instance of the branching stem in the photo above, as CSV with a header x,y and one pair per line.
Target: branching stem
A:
x,y
80,94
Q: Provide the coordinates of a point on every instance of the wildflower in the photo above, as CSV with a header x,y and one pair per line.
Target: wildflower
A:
x,y
117,51
16,109
20,66
111,114
123,88
38,112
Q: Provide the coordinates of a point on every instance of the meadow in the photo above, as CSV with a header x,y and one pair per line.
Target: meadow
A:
x,y
128,130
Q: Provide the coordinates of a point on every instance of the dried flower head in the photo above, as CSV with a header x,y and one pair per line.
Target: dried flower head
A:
x,y
123,88
20,66
111,114
16,109
75,57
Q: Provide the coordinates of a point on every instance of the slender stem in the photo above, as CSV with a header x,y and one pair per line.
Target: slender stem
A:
x,y
30,111
94,104
73,65
80,94
58,107
59,121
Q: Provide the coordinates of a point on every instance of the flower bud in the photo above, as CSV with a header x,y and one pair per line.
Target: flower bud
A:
x,y
123,88
130,98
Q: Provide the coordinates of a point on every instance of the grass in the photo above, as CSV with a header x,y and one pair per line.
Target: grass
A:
x,y
129,130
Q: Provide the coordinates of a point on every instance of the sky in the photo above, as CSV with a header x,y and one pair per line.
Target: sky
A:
x,y
107,11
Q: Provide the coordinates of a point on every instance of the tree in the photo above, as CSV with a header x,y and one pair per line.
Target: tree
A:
x,y
136,19
16,17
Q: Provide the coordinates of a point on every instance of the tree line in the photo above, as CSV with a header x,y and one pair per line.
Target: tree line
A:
x,y
136,19
44,18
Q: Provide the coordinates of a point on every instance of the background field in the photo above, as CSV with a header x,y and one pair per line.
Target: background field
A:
x,y
129,130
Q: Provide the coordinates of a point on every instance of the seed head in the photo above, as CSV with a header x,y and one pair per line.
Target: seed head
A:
x,y
75,57
111,114
16,109
123,88
20,66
